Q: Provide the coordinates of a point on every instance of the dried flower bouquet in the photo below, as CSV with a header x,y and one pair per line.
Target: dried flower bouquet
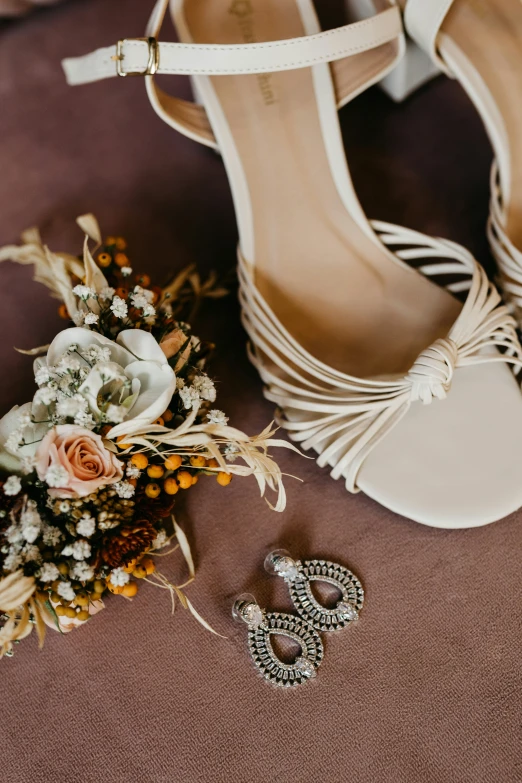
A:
x,y
123,420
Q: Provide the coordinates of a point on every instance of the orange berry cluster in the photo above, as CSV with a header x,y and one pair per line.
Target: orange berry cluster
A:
x,y
174,474
138,567
78,608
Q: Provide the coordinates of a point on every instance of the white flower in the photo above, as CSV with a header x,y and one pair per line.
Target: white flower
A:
x,y
79,317
149,312
65,590
67,550
45,396
115,413
217,417
126,271
14,441
119,307
119,577
12,561
51,535
81,549
48,573
82,571
84,419
190,397
161,539
97,353
69,407
86,526
91,318
132,371
180,384
68,363
205,387
14,534
195,343
124,489
107,293
31,532
132,471
12,486
57,476
31,554
42,376
84,292
231,451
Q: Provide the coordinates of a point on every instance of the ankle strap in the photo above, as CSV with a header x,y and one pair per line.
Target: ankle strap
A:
x,y
146,57
139,56
423,20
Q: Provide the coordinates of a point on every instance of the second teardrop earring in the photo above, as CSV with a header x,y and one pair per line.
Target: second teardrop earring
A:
x,y
298,576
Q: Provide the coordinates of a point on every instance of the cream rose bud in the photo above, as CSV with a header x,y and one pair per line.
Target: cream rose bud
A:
x,y
79,458
172,343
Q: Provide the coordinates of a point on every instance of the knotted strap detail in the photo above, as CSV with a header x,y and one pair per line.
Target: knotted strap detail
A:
x,y
344,417
432,372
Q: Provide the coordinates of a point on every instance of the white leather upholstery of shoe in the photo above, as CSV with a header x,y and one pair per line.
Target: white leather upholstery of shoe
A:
x,y
402,389
480,44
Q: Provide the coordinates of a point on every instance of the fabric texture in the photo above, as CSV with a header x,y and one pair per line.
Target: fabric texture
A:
x,y
425,689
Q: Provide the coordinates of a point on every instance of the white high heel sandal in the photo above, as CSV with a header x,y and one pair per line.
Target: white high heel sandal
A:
x,y
351,337
480,44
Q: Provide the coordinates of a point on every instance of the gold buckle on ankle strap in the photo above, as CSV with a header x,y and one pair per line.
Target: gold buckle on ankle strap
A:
x,y
153,61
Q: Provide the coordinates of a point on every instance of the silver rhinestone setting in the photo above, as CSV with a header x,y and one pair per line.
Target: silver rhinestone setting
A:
x,y
307,605
270,666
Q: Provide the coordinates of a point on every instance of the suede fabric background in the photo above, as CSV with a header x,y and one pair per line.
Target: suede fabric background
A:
x,y
427,687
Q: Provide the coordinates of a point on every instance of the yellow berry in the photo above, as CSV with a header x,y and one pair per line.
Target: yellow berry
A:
x,y
120,442
195,479
184,479
171,486
96,597
110,241
212,463
83,615
148,564
143,280
104,259
198,461
82,599
155,471
224,479
60,610
121,259
56,598
168,416
63,568
173,462
69,612
120,243
140,572
161,421
99,585
116,589
63,312
140,461
152,490
130,589
130,566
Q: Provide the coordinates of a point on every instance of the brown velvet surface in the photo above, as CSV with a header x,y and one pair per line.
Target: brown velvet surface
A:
x,y
427,687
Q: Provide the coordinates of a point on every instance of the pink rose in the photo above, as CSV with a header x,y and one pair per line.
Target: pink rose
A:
x,y
80,457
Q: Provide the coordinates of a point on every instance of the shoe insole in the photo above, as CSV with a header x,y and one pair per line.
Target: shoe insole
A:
x,y
487,35
337,291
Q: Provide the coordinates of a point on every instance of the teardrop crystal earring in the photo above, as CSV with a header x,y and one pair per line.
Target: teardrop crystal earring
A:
x,y
298,576
262,625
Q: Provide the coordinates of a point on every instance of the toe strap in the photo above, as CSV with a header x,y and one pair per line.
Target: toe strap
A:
x,y
344,417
